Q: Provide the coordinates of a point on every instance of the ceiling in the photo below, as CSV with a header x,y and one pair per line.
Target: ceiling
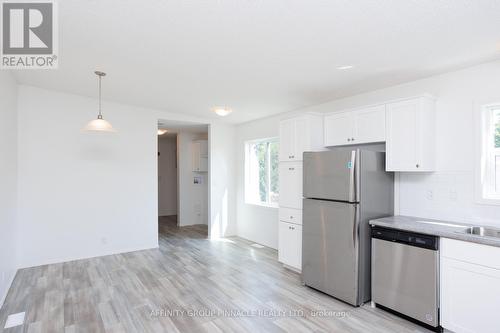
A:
x,y
261,57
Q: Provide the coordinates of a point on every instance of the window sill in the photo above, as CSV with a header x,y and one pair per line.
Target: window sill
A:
x,y
491,201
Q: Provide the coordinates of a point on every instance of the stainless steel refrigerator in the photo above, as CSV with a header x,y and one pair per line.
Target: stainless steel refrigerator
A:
x,y
343,189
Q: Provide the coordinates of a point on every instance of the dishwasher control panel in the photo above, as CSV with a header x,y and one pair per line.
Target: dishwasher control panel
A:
x,y
409,238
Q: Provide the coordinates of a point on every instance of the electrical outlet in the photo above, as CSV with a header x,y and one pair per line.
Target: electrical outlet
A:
x,y
430,195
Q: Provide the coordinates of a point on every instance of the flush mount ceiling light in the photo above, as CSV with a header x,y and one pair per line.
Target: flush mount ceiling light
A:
x,y
221,111
99,124
162,131
343,68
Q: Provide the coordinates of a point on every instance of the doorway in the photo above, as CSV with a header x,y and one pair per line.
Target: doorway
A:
x,y
183,178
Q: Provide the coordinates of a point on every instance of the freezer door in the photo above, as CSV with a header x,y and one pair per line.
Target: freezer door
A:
x,y
330,248
331,175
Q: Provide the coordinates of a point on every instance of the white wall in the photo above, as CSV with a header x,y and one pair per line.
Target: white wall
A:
x,y
459,94
167,175
193,198
222,174
256,223
83,195
8,181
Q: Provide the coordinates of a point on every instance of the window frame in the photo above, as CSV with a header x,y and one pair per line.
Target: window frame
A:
x,y
247,174
484,171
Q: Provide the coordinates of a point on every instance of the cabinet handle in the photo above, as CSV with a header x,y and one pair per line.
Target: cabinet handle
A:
x,y
352,139
418,166
348,139
291,169
291,217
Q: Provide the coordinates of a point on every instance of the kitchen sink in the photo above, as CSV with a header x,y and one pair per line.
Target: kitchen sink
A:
x,y
483,231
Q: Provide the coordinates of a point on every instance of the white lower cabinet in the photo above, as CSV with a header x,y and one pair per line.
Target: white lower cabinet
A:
x,y
290,215
290,184
470,287
290,244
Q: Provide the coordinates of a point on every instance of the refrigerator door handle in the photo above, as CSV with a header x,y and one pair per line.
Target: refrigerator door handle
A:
x,y
355,226
352,184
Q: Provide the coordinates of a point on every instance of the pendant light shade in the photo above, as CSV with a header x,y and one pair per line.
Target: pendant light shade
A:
x,y
99,124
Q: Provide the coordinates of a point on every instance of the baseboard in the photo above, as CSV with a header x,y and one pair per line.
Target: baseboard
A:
x,y
63,260
296,270
9,284
255,241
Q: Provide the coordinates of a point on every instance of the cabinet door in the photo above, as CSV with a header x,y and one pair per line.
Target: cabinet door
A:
x,y
287,140
284,243
290,244
369,125
290,185
339,129
290,215
196,156
402,136
203,164
470,297
203,148
302,138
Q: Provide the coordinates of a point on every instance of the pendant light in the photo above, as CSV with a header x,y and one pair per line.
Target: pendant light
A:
x,y
99,124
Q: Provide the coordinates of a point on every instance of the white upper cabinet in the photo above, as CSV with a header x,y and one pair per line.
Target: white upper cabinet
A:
x,y
407,126
298,135
287,140
339,129
410,137
369,125
200,156
354,127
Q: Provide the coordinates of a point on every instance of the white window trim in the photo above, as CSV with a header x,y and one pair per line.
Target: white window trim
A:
x,y
481,171
245,194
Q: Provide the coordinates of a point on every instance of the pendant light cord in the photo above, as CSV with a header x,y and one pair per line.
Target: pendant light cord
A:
x,y
100,114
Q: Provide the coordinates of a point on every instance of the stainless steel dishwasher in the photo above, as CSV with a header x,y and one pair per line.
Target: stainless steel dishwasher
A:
x,y
405,274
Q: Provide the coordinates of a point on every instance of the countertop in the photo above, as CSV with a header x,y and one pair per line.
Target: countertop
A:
x,y
445,229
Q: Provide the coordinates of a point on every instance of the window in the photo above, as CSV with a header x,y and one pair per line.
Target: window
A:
x,y
261,172
490,154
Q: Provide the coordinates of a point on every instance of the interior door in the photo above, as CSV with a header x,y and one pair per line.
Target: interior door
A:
x,y
339,129
330,248
330,175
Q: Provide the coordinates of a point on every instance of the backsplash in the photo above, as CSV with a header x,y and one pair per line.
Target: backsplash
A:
x,y
445,196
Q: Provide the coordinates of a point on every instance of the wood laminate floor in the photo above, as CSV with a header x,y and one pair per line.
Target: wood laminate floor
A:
x,y
189,284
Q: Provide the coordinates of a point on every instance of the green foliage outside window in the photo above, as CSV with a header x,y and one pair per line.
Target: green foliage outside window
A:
x,y
497,131
268,159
